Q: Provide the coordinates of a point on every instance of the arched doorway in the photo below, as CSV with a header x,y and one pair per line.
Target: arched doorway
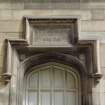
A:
x,y
52,84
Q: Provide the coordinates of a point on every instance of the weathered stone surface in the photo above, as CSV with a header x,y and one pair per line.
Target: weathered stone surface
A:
x,y
82,5
6,15
98,14
102,83
17,5
92,1
1,70
102,54
51,6
4,94
102,87
21,4
10,35
96,98
92,36
1,44
13,90
13,35
5,5
92,26
50,1
83,15
90,5
1,61
10,26
103,72
102,98
57,37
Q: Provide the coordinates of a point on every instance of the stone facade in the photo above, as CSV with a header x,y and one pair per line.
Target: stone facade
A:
x,y
91,24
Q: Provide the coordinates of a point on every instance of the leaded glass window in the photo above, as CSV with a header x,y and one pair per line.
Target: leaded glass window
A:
x,y
52,85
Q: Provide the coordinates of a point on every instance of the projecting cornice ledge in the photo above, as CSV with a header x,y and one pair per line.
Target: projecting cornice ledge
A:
x,y
92,45
17,42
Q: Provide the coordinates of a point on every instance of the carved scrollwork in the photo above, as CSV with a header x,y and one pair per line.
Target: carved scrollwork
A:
x,y
95,76
5,78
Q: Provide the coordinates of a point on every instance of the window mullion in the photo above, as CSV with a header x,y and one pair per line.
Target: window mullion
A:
x,y
65,88
39,95
27,92
52,86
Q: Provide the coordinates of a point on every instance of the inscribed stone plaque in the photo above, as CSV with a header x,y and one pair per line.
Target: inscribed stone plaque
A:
x,y
51,37
51,33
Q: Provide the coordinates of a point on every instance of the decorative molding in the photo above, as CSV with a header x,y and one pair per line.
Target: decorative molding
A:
x,y
95,76
51,32
5,78
89,48
20,45
21,55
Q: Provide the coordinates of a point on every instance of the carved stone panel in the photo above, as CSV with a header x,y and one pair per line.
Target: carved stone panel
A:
x,y
51,36
51,32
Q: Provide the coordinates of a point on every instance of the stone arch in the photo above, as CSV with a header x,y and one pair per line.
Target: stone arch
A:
x,y
55,57
61,58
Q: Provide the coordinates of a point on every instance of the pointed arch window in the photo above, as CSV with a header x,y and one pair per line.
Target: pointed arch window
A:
x,y
52,84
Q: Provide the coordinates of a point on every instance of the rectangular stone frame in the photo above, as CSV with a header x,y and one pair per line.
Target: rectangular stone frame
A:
x,y
53,21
